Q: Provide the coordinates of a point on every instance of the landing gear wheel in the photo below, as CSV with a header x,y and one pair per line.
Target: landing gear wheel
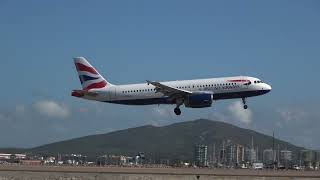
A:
x,y
244,103
177,111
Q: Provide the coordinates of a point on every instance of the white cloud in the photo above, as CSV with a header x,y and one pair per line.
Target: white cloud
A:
x,y
51,109
2,117
237,111
160,111
159,115
292,114
83,110
20,109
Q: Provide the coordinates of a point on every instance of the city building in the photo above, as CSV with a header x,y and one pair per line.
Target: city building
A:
x,y
5,156
222,156
285,158
140,158
269,156
118,160
240,154
306,157
234,154
231,154
250,155
201,155
49,160
212,158
316,159
70,159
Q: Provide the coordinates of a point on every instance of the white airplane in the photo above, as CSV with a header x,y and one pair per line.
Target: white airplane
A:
x,y
197,93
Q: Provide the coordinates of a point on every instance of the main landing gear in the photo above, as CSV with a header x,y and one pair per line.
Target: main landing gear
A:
x,y
245,106
177,110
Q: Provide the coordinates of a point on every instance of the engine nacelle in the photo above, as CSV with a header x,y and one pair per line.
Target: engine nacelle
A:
x,y
199,100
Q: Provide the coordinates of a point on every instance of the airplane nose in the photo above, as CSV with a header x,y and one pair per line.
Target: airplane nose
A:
x,y
267,87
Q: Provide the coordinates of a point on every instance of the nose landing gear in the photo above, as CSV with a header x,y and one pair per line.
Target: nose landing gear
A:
x,y
245,106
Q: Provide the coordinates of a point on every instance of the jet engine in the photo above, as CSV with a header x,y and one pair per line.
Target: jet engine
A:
x,y
199,100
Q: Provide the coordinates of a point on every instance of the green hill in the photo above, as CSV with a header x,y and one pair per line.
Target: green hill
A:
x,y
175,141
13,150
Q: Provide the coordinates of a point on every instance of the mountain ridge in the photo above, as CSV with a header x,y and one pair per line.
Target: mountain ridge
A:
x,y
165,142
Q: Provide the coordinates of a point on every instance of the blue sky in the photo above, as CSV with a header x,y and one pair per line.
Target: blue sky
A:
x,y
131,41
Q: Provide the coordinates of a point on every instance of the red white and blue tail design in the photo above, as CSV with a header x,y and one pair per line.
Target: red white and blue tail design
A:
x,y
88,75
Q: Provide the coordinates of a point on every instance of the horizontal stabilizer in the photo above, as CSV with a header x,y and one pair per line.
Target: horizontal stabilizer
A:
x,y
81,93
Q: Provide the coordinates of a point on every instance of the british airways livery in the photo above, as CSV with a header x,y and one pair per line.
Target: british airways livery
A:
x,y
197,93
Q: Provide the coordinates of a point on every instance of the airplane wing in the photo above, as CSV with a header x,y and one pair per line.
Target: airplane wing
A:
x,y
168,90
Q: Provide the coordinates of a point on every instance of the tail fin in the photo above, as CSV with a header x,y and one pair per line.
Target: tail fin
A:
x,y
88,75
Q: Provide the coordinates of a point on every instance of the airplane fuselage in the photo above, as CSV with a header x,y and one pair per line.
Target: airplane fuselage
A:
x,y
146,94
197,93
